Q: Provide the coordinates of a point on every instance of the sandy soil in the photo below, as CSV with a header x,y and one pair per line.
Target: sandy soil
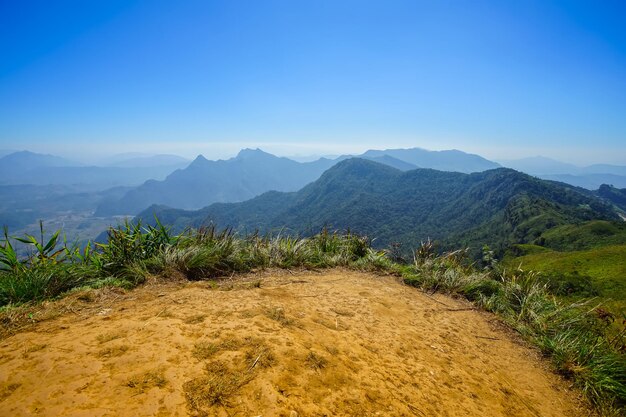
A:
x,y
336,343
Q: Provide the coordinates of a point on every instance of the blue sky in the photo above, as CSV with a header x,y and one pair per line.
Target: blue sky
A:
x,y
505,79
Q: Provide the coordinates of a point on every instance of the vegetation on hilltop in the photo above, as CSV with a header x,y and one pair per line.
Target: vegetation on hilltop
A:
x,y
579,261
593,272
573,335
615,195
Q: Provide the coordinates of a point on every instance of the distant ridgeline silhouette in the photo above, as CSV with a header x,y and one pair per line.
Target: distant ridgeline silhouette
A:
x,y
253,172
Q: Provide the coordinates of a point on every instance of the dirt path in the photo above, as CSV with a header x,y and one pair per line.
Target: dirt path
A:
x,y
338,343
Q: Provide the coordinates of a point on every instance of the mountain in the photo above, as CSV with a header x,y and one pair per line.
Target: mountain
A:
x,y
28,168
540,165
4,152
588,181
203,182
605,169
495,207
253,172
391,161
450,160
152,161
614,195
590,177
25,160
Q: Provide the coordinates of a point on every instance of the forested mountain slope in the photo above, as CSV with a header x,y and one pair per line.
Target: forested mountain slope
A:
x,y
495,207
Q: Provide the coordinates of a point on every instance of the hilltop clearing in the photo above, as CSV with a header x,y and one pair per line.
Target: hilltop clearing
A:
x,y
273,344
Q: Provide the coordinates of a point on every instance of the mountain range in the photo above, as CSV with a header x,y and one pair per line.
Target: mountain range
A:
x,y
203,182
590,177
253,172
28,168
496,207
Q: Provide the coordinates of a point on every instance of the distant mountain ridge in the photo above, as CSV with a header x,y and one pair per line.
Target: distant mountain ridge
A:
x,y
203,182
495,207
253,172
151,161
590,177
25,160
450,160
28,168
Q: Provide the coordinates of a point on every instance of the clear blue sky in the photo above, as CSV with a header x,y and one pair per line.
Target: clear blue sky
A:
x,y
506,78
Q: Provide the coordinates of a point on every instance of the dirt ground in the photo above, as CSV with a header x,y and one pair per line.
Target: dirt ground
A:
x,y
336,343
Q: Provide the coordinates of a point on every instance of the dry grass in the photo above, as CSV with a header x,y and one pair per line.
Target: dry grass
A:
x,y
332,350
107,337
7,390
278,314
342,312
33,348
260,356
144,381
196,319
216,387
220,382
113,351
204,349
315,361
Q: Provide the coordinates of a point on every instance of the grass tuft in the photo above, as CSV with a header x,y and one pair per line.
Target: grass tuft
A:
x,y
215,388
146,380
315,361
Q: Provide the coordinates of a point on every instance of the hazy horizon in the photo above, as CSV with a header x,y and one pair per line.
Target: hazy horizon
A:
x,y
299,153
500,79
217,151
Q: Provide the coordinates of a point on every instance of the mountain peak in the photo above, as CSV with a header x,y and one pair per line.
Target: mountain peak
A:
x,y
30,160
248,153
198,162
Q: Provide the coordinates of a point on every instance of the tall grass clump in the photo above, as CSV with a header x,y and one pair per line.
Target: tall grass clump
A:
x,y
48,271
133,252
574,336
208,253
130,247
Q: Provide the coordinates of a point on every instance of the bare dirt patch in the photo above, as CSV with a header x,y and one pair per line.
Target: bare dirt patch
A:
x,y
337,343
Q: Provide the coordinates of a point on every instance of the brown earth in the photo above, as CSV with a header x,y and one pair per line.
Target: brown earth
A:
x,y
337,343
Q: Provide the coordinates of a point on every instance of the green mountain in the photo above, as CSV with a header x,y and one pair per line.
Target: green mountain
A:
x,y
253,172
496,207
615,195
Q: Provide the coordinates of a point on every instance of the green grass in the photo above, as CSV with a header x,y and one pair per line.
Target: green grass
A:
x,y
597,272
588,235
134,252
